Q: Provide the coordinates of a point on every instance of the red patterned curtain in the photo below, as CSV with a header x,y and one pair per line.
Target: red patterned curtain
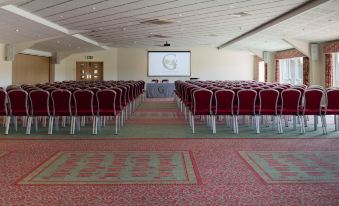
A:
x,y
306,70
328,70
277,70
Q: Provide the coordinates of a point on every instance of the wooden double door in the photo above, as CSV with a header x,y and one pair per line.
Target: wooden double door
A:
x,y
89,71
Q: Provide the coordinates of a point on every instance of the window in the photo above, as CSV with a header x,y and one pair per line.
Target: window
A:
x,y
261,71
336,69
291,71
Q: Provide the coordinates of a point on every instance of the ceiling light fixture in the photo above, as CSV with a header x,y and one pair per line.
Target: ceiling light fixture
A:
x,y
17,30
94,8
16,10
240,14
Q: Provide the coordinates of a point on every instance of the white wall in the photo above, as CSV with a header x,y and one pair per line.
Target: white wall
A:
x,y
60,71
66,70
5,68
206,64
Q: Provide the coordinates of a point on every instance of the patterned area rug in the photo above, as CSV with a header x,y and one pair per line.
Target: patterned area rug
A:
x,y
170,172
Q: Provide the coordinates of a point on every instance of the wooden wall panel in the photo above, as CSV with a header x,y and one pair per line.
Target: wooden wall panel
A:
x,y
29,69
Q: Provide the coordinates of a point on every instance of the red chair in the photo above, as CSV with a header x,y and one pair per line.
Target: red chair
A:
x,y
332,105
62,107
18,106
3,105
123,102
118,105
312,106
224,104
106,105
268,105
39,107
84,107
246,106
201,105
290,99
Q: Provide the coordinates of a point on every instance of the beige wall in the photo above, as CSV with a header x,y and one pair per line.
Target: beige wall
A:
x,y
5,69
67,66
206,64
29,69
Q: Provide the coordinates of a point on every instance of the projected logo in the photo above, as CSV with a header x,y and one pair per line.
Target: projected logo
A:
x,y
161,89
170,61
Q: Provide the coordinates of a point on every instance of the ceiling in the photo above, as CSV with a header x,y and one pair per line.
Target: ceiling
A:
x,y
191,23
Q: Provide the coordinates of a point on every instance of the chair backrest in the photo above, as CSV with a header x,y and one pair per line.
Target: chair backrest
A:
x,y
18,102
313,99
61,99
3,102
83,100
123,95
118,91
165,81
224,102
290,101
201,102
106,102
246,102
268,99
332,99
39,100
155,80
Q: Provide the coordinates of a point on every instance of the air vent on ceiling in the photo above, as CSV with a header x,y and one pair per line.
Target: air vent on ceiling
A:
x,y
158,36
157,21
240,14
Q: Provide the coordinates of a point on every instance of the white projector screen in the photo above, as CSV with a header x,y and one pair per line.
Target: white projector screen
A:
x,y
169,63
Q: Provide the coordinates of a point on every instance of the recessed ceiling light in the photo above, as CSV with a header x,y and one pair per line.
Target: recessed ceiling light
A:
x,y
231,6
151,33
17,30
124,28
180,14
239,14
101,28
94,8
61,16
79,47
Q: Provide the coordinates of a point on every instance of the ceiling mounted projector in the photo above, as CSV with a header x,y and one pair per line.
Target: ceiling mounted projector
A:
x,y
167,44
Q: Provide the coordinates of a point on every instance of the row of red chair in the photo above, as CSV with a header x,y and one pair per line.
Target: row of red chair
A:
x,y
256,100
73,100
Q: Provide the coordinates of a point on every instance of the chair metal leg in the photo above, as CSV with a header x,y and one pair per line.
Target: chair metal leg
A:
x,y
36,125
315,123
324,124
335,122
29,124
257,123
50,125
192,122
15,120
116,125
8,120
94,125
72,125
214,130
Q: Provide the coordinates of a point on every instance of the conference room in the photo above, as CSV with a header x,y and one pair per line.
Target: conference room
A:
x,y
169,102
